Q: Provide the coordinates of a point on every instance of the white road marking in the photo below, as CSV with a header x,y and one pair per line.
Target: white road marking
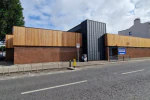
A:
x,y
33,91
133,71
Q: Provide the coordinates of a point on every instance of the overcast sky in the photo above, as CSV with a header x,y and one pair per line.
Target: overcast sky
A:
x,y
65,14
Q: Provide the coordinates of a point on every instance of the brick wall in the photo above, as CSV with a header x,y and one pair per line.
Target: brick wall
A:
x,y
133,52
138,52
24,55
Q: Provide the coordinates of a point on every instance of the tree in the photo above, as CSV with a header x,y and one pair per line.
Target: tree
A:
x,y
10,15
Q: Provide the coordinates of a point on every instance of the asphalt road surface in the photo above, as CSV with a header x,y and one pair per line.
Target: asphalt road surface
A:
x,y
121,81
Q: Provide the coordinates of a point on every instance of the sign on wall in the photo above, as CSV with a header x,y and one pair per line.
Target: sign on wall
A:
x,y
78,45
121,51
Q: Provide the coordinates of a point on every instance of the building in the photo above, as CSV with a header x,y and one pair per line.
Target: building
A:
x,y
33,45
93,38
138,29
122,47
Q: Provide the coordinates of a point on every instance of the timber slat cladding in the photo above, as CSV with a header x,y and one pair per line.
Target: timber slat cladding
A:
x,y
32,37
19,37
126,41
65,39
59,38
41,37
9,41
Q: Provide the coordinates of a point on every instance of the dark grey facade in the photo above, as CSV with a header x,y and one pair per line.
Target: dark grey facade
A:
x,y
138,30
92,38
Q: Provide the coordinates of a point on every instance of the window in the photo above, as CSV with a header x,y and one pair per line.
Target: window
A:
x,y
130,33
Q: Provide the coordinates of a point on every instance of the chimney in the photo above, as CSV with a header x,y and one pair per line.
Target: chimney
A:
x,y
137,21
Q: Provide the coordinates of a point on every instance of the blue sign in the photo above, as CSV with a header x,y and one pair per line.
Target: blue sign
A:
x,y
121,51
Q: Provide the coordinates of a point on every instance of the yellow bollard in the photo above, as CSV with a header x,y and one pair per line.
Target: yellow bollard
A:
x,y
74,63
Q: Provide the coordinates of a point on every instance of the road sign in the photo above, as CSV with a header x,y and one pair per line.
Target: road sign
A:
x,y
121,51
78,51
78,45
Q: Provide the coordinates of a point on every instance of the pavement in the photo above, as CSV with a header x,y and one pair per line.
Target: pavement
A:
x,y
9,67
118,81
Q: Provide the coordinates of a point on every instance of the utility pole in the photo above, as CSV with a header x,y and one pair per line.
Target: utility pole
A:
x,y
78,51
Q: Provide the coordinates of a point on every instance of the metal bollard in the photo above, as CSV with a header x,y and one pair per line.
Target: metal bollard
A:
x,y
69,63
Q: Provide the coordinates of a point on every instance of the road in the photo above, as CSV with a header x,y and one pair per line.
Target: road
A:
x,y
120,81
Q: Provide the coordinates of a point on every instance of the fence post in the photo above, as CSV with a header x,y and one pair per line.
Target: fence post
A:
x,y
70,63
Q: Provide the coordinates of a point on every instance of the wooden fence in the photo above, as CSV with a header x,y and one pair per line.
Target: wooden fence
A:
x,y
126,41
41,37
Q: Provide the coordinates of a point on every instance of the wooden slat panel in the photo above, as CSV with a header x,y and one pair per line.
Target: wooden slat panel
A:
x,y
80,39
42,37
19,35
54,38
59,38
105,37
64,39
48,38
110,37
9,41
73,39
127,41
32,37
69,39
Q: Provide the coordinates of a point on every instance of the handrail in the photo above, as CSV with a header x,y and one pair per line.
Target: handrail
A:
x,y
119,58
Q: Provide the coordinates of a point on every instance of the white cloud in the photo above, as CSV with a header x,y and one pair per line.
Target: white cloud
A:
x,y
65,14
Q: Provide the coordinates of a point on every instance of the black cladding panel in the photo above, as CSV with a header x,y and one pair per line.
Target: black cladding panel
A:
x,y
95,38
92,38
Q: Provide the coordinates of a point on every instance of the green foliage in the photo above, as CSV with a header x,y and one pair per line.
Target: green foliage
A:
x,y
10,15
3,47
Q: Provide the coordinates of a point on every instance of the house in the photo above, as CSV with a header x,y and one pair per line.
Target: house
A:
x,y
137,30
